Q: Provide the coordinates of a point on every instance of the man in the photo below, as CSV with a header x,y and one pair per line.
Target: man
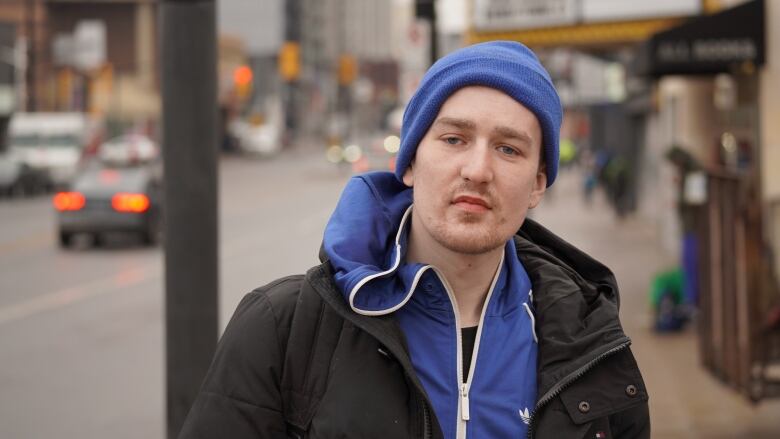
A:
x,y
439,310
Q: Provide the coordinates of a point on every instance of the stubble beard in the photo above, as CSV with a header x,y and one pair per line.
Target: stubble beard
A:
x,y
466,232
467,235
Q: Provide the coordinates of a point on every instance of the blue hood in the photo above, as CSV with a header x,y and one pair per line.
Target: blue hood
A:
x,y
365,240
369,213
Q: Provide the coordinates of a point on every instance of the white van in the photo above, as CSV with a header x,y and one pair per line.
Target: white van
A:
x,y
49,142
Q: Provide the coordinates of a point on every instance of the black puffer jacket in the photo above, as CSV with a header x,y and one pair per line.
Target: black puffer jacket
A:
x,y
295,361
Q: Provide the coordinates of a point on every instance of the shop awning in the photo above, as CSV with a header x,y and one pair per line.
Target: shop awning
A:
x,y
589,35
710,44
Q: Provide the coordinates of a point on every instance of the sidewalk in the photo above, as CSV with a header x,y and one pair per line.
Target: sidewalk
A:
x,y
685,400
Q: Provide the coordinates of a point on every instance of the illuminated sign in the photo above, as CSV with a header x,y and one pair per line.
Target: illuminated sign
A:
x,y
523,14
496,15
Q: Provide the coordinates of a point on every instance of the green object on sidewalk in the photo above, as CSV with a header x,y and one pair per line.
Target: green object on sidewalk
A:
x,y
667,282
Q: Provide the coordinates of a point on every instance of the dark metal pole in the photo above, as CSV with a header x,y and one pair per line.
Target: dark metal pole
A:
x,y
292,33
189,140
30,11
427,9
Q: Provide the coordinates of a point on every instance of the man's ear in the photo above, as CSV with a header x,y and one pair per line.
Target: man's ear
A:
x,y
408,177
540,185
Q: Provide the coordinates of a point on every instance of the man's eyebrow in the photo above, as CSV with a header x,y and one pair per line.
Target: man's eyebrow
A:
x,y
463,124
511,133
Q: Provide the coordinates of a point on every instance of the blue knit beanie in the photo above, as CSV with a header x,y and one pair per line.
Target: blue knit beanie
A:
x,y
507,66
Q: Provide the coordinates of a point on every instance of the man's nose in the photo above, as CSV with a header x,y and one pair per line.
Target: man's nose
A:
x,y
477,166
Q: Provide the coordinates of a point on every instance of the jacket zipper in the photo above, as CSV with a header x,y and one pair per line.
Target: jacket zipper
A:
x,y
463,392
465,385
426,422
562,385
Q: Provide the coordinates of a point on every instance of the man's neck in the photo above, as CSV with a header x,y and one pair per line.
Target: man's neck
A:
x,y
469,275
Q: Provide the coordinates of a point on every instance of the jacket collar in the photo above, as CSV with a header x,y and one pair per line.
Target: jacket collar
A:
x,y
576,300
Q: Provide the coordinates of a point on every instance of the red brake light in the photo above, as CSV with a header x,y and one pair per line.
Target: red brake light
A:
x,y
68,201
131,203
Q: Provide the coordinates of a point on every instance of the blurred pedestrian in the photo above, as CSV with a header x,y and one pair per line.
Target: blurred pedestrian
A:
x,y
589,179
616,173
439,309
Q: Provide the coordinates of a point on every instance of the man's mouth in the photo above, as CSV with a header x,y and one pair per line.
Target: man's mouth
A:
x,y
471,204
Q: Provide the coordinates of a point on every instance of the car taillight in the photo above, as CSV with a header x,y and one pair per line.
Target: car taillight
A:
x,y
131,203
68,201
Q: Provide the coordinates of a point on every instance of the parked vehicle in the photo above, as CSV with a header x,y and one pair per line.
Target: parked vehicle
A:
x,y
51,143
261,133
121,191
262,139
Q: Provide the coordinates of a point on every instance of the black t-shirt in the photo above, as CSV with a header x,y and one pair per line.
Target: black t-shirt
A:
x,y
468,335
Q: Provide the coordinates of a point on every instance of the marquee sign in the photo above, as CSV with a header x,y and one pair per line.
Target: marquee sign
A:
x,y
710,44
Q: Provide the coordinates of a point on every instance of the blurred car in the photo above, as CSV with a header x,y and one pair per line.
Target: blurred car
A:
x,y
50,143
261,133
261,139
120,191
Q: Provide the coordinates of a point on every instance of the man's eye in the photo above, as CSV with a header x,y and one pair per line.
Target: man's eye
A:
x,y
452,140
507,150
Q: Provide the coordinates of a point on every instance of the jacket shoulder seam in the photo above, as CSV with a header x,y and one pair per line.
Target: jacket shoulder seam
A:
x,y
269,288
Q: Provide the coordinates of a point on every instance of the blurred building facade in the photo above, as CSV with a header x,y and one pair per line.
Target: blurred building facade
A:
x,y
349,55
714,78
95,56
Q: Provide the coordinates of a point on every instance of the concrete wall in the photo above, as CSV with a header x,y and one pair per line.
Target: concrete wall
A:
x,y
770,128
688,117
770,104
685,117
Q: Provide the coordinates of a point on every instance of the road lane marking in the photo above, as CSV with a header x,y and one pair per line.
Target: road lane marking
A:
x,y
236,248
33,241
68,296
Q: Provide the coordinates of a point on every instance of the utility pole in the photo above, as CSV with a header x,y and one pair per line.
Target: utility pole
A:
x,y
30,12
291,72
426,9
188,54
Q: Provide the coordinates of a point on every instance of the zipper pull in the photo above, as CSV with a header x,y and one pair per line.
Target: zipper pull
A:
x,y
464,402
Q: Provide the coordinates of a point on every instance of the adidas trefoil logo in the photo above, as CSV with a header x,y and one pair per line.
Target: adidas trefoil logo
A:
x,y
525,416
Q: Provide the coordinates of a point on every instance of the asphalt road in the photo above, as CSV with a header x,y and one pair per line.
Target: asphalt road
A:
x,y
81,331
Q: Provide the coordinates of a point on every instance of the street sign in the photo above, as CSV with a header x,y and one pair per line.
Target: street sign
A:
x,y
615,10
89,44
492,15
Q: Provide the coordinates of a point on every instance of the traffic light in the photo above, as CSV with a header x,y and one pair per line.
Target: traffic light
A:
x,y
290,61
242,78
348,69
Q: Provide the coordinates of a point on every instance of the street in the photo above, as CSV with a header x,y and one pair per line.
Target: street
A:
x,y
81,331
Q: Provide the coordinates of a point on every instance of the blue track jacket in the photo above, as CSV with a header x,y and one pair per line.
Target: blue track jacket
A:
x,y
365,240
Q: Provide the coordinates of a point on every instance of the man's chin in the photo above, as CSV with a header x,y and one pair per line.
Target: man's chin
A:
x,y
470,243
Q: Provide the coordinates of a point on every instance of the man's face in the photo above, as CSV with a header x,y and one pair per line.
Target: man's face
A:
x,y
476,171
